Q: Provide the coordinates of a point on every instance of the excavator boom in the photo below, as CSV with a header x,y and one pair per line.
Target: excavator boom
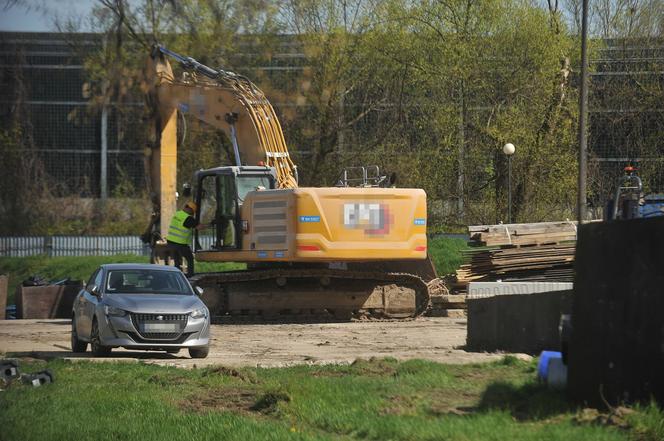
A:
x,y
227,101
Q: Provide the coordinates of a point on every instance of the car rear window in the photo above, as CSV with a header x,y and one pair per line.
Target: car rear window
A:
x,y
134,281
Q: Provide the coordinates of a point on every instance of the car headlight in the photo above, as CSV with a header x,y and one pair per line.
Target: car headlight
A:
x,y
199,313
112,310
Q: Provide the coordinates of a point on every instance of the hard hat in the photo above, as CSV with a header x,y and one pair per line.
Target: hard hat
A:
x,y
192,205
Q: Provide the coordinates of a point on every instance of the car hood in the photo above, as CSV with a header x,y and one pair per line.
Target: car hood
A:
x,y
154,303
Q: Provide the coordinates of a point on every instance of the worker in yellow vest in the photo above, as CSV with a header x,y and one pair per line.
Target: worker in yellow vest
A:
x,y
180,234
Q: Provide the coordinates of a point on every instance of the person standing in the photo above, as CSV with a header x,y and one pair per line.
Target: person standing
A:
x,y
180,233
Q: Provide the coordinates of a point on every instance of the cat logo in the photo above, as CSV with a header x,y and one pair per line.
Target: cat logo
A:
x,y
374,218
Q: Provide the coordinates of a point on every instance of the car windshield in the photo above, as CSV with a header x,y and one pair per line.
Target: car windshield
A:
x,y
145,281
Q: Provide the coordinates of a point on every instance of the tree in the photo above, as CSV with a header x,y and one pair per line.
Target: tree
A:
x,y
209,31
625,93
345,88
484,73
430,90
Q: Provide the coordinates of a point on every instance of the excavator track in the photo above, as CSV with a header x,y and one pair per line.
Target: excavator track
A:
x,y
279,295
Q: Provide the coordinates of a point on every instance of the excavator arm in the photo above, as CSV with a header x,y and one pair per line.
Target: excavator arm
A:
x,y
224,100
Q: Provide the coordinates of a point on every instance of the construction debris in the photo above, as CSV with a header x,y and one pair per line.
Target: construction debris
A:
x,y
39,378
442,303
9,370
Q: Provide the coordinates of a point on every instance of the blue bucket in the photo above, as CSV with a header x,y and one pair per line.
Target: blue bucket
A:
x,y
543,365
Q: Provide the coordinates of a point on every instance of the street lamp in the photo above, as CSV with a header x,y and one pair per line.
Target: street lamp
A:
x,y
508,150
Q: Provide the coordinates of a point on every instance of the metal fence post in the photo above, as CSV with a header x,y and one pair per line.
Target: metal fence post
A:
x,y
48,246
104,154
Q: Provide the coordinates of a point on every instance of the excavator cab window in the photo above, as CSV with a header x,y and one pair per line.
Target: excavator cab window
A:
x,y
220,195
207,200
227,214
247,183
217,201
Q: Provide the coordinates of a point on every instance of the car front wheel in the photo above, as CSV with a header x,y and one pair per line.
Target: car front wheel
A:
x,y
77,345
97,348
199,352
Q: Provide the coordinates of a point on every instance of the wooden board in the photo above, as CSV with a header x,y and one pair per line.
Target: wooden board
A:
x,y
522,234
616,349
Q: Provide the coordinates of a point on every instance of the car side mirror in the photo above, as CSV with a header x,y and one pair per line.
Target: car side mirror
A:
x,y
95,291
199,290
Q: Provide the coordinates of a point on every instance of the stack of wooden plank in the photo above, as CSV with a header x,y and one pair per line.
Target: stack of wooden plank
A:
x,y
538,252
537,263
522,234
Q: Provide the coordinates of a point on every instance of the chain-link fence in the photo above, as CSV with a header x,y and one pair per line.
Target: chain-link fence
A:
x,y
101,153
42,82
626,115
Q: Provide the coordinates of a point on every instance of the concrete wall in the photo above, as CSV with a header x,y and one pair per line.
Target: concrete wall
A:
x,y
490,289
617,342
516,323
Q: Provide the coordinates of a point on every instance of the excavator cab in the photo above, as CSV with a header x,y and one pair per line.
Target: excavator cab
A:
x,y
220,193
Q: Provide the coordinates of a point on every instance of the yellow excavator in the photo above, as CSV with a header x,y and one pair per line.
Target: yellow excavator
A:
x,y
357,249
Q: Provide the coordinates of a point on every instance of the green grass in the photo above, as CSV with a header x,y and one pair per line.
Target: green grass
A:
x,y
77,268
372,400
444,251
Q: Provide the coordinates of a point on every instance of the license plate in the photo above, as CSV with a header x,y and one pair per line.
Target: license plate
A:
x,y
161,327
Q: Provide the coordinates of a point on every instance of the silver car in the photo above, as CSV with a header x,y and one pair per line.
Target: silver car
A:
x,y
140,306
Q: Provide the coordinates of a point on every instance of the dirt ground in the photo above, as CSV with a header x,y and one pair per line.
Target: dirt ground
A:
x,y
270,345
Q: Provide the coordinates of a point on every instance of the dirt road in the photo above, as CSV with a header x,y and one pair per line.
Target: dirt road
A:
x,y
270,345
